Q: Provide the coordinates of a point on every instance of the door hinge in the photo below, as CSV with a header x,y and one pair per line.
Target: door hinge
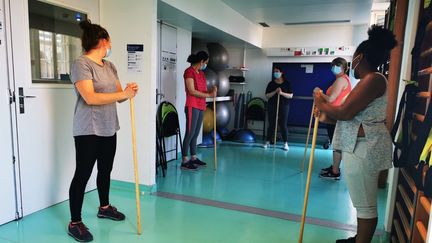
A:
x,y
11,96
13,160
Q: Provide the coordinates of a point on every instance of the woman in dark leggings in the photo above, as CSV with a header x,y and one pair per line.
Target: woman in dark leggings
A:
x,y
196,92
95,124
282,87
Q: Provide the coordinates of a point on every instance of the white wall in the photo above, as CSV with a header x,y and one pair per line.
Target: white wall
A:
x,y
314,36
226,18
134,22
184,45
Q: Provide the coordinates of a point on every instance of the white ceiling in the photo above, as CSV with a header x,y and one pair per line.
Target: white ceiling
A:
x,y
277,12
273,12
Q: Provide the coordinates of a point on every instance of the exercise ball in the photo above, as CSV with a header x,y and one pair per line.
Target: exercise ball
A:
x,y
224,84
218,56
208,120
223,131
211,78
222,115
245,136
207,140
218,137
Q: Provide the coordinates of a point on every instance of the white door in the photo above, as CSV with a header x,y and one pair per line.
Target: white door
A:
x,y
7,165
168,75
45,110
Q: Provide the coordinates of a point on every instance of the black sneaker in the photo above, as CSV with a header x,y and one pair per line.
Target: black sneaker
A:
x,y
199,163
80,232
330,175
110,213
327,169
188,166
349,240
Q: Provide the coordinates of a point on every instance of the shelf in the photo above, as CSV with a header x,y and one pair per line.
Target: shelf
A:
x,y
218,99
399,233
421,230
234,83
409,180
425,71
405,222
429,26
425,95
426,53
424,201
406,199
419,117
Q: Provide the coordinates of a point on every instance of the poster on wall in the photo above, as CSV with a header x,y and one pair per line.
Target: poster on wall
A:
x,y
135,58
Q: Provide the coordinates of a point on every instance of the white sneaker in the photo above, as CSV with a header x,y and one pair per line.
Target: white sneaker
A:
x,y
265,146
286,147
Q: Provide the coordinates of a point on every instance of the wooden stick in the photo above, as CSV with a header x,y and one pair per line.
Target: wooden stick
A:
x,y
137,194
214,134
307,139
311,158
276,121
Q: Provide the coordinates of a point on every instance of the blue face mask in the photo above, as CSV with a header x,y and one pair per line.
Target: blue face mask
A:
x,y
108,52
203,66
277,75
336,70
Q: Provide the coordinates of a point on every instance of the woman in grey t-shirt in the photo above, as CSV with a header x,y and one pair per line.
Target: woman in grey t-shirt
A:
x,y
95,124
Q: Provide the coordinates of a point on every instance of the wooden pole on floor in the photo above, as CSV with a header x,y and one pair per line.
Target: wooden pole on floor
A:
x,y
214,134
311,158
307,138
276,121
137,194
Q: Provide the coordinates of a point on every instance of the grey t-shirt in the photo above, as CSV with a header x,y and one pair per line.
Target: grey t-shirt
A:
x,y
100,120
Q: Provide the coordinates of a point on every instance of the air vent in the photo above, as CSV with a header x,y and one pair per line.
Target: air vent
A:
x,y
264,24
320,22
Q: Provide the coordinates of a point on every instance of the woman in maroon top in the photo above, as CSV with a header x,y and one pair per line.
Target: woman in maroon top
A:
x,y
196,92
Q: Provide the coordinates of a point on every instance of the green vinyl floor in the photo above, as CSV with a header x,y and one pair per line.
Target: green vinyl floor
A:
x,y
247,176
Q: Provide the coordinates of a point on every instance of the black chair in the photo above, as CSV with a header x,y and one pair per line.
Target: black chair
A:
x,y
167,125
256,111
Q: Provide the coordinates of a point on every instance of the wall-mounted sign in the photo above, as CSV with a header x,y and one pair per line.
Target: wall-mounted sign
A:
x,y
135,58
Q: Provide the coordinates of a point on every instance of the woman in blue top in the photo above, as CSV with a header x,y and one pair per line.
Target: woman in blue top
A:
x,y
361,133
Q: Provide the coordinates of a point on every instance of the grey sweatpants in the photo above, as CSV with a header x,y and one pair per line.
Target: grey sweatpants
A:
x,y
194,119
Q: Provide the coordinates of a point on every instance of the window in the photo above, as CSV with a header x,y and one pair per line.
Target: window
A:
x,y
54,41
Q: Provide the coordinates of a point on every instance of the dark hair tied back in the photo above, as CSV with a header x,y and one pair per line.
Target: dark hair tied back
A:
x,y
376,49
381,37
196,58
91,35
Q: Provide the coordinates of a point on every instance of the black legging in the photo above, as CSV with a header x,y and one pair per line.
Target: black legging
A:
x,y
330,131
88,149
282,121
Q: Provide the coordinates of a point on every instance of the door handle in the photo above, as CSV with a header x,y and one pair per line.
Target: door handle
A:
x,y
27,96
157,96
21,98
